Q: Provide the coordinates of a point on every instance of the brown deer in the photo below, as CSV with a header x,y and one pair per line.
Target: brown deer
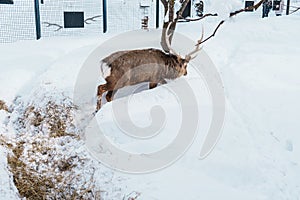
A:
x,y
153,65
124,68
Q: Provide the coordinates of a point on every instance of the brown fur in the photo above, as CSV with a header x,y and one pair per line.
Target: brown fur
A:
x,y
137,66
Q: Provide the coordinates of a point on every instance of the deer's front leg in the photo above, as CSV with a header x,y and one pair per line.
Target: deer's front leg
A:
x,y
100,91
152,85
110,95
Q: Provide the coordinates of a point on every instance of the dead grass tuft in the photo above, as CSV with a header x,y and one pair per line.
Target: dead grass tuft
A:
x,y
52,184
29,184
57,118
58,121
3,106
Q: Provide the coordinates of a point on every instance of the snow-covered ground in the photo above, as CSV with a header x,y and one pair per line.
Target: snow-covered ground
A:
x,y
257,156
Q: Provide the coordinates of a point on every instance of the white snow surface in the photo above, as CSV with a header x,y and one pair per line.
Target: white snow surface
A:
x,y
257,156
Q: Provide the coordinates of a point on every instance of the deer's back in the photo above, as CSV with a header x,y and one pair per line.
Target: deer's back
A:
x,y
136,66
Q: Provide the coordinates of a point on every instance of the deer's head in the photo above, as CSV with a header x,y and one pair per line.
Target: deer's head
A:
x,y
182,61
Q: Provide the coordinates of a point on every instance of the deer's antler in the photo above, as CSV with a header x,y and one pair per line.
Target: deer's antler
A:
x,y
167,38
190,56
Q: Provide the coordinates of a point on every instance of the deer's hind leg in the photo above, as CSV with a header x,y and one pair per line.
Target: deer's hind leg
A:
x,y
162,81
100,91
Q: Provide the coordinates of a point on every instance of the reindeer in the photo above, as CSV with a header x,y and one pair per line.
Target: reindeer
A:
x,y
124,68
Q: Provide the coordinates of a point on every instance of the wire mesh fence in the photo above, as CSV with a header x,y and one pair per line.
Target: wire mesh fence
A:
x,y
79,17
53,17
128,15
30,19
17,21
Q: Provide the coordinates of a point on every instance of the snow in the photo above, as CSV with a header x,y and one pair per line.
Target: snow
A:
x,y
257,156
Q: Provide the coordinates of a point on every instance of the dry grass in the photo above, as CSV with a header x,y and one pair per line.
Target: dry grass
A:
x,y
53,184
3,106
40,163
56,117
29,183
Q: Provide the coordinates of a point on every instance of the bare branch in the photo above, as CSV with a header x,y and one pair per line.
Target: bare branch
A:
x,y
53,24
92,19
247,8
255,7
197,19
212,35
181,10
166,6
297,8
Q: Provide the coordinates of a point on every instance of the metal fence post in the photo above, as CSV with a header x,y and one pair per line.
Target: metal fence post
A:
x,y
157,13
104,16
37,19
288,7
